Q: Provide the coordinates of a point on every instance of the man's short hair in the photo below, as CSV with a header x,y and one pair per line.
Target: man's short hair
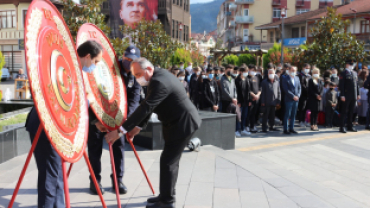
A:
x,y
305,65
270,66
287,65
229,66
271,69
181,63
89,47
252,66
242,69
143,63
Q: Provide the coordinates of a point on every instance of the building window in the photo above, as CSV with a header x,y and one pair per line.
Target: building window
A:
x,y
246,12
295,32
276,13
8,19
174,2
181,3
365,28
105,5
245,35
303,32
177,29
173,28
24,17
271,37
300,11
178,2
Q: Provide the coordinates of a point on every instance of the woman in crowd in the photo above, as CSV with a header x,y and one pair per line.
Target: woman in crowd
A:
x,y
315,89
211,94
181,77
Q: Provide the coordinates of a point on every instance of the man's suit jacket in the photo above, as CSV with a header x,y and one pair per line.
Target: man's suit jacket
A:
x,y
167,98
348,85
289,89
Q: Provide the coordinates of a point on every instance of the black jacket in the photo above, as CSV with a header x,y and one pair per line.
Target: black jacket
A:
x,y
313,91
211,95
133,90
335,80
271,93
193,88
167,98
304,79
348,85
254,85
242,90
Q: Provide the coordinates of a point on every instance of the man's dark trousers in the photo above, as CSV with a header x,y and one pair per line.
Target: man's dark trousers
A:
x,y
169,167
49,164
302,109
95,149
347,113
268,115
329,114
252,111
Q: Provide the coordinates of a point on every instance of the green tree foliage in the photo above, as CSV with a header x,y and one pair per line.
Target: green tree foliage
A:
x,y
88,11
246,59
152,40
332,45
232,59
181,55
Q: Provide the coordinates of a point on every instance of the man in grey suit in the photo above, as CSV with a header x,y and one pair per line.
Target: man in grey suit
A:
x,y
167,98
292,91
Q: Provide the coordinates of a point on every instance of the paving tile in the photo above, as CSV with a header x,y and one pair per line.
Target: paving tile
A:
x,y
311,201
222,163
282,203
250,184
200,194
253,199
294,191
226,178
243,173
226,198
204,169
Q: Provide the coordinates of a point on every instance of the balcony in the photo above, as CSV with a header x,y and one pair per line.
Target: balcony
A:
x,y
244,1
299,3
232,24
276,3
244,19
232,7
11,34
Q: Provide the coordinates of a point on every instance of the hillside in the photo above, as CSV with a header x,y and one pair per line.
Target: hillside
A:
x,y
204,16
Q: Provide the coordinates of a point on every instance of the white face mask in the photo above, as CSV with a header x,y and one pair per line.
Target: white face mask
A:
x,y
181,78
271,76
245,74
198,72
334,75
204,76
292,74
252,73
316,76
306,71
142,81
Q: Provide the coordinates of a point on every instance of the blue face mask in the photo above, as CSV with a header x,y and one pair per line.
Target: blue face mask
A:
x,y
218,77
210,76
89,69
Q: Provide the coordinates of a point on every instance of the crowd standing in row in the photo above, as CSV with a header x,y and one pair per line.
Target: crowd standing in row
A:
x,y
280,93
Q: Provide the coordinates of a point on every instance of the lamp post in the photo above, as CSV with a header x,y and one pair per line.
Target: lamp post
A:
x,y
283,13
181,27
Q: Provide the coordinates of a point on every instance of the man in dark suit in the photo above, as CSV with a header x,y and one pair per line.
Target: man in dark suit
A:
x,y
178,123
349,94
304,76
96,137
292,91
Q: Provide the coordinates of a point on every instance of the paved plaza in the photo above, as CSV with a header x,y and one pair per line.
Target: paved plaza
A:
x,y
310,170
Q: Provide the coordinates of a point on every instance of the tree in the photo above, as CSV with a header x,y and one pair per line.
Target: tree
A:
x,y
196,56
76,15
231,59
332,45
246,59
181,55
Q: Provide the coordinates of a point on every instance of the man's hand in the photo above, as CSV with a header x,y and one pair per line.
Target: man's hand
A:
x,y
250,103
240,105
262,104
235,101
101,127
358,97
343,99
295,98
134,132
318,97
112,136
215,108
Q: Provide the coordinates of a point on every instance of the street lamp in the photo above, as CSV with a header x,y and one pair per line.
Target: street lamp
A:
x,y
354,22
181,27
283,13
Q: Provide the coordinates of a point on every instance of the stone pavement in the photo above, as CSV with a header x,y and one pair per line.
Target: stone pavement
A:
x,y
321,170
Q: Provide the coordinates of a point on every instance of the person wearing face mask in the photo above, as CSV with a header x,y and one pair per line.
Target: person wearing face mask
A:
x,y
193,87
181,77
367,86
49,164
254,99
228,89
315,90
96,134
200,83
331,98
349,94
304,77
292,91
221,71
243,92
189,69
211,95
178,124
270,99
334,76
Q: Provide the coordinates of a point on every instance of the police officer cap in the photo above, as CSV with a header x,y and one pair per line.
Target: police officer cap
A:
x,y
132,52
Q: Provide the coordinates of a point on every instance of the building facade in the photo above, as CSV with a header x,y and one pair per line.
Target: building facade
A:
x,y
297,28
245,15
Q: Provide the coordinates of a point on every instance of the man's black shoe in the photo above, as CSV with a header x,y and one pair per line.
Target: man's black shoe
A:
x,y
274,129
154,199
286,132
352,129
160,205
122,189
367,127
292,131
93,189
264,131
343,130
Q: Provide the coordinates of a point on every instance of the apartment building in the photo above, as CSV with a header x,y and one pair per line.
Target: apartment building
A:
x,y
297,28
245,15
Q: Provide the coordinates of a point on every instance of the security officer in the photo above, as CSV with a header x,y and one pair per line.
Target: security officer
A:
x,y
349,94
96,136
49,164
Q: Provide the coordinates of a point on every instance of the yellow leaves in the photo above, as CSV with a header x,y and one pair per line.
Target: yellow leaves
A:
x,y
331,30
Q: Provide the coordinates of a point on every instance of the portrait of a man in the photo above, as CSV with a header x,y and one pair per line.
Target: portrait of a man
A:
x,y
133,11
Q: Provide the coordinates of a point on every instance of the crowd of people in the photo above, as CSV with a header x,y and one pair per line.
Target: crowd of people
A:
x,y
280,94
